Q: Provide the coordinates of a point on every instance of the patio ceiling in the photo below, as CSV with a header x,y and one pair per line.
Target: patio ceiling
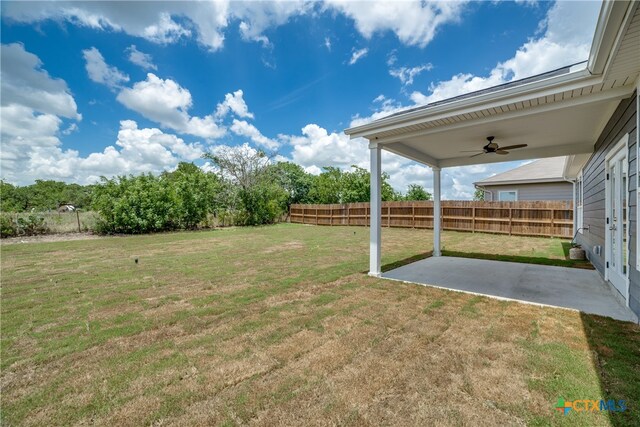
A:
x,y
562,112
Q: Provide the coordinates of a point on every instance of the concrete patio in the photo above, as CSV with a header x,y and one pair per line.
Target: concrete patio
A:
x,y
571,288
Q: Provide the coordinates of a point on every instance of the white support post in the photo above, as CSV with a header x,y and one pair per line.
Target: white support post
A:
x,y
436,211
575,209
376,211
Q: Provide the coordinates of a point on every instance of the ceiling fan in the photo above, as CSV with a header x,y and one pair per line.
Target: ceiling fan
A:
x,y
493,147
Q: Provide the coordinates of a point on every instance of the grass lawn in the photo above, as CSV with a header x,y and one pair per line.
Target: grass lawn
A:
x,y
280,325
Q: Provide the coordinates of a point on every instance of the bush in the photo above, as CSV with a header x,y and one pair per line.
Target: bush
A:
x,y
133,205
8,227
262,204
143,204
30,226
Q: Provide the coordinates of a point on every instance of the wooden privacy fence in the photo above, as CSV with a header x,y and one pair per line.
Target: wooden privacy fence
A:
x,y
539,218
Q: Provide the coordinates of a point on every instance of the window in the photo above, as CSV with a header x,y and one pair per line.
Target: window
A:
x,y
579,202
507,196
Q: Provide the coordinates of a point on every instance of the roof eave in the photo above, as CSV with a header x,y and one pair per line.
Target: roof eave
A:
x,y
612,15
476,101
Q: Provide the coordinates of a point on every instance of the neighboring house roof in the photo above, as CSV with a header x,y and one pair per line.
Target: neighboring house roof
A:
x,y
543,170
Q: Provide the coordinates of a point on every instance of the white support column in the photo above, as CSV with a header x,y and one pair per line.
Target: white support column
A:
x,y
436,211
376,211
575,210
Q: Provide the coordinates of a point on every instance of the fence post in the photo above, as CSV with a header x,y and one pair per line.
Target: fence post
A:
x,y
413,214
331,215
348,213
552,225
510,221
473,219
388,216
78,218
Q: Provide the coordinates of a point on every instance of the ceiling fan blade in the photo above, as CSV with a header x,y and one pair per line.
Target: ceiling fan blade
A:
x,y
501,152
513,147
475,155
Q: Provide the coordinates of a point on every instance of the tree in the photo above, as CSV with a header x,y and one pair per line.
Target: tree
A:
x,y
12,198
253,197
326,187
417,192
293,179
478,195
336,186
195,192
242,165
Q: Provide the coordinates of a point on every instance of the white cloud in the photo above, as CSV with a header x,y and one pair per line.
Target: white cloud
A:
x,y
386,108
166,22
141,59
235,103
243,128
392,58
73,127
32,151
568,32
25,83
166,102
414,22
100,72
357,54
407,74
327,43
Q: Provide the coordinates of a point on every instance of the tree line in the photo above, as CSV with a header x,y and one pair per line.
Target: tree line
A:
x,y
243,187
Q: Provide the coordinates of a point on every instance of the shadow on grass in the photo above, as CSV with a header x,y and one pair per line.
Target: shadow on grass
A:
x,y
495,257
402,262
615,346
522,259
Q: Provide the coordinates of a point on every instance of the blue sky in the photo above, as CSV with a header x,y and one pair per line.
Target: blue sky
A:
x,y
108,88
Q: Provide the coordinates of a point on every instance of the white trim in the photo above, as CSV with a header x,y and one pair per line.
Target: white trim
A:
x,y
507,191
579,203
375,213
437,212
637,173
622,144
613,15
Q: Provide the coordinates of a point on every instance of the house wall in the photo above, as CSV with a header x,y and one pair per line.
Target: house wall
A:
x,y
623,121
542,191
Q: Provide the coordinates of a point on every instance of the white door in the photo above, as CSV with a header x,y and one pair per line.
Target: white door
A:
x,y
617,220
